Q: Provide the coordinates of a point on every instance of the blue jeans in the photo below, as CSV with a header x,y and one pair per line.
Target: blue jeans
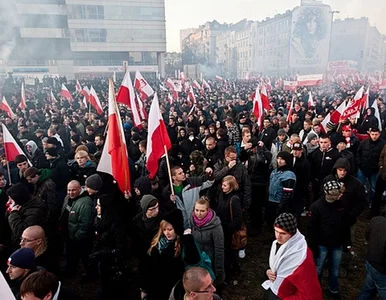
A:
x,y
372,182
334,256
375,282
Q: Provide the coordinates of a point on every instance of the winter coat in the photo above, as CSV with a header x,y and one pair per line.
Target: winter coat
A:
x,y
368,154
268,136
223,212
233,135
210,238
276,180
33,212
239,171
212,156
81,174
322,163
60,172
222,144
277,147
382,163
258,165
37,157
354,197
79,220
302,170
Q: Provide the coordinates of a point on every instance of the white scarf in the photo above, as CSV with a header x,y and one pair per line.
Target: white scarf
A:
x,y
286,260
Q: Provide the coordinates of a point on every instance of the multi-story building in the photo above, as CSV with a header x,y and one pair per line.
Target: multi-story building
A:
x,y
81,37
354,39
243,41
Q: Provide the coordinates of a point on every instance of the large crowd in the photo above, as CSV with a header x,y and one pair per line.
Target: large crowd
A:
x,y
183,232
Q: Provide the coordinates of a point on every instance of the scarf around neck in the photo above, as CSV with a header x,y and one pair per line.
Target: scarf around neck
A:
x,y
163,243
202,222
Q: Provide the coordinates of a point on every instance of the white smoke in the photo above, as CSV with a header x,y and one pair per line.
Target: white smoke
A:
x,y
8,28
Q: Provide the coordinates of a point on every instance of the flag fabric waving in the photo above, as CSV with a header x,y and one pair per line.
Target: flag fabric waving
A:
x,y
126,91
86,93
158,141
135,113
264,98
78,87
219,78
377,114
65,93
258,108
52,98
290,110
11,148
114,159
5,106
205,85
94,101
310,100
191,96
22,104
353,108
335,116
142,109
145,90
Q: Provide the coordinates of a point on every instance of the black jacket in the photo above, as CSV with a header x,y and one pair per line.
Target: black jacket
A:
x,y
212,156
267,136
368,154
322,163
376,253
60,172
302,170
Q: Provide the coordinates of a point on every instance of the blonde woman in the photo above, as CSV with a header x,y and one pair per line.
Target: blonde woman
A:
x,y
229,200
84,167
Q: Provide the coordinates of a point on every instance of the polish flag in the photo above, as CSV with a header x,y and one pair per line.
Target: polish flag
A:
x,y
353,108
310,100
377,114
162,88
52,98
78,87
269,85
325,122
86,94
170,99
114,159
365,100
291,108
94,101
145,90
196,85
335,116
11,148
182,77
191,96
135,112
142,109
170,84
264,98
66,94
219,78
206,85
258,109
126,91
22,104
158,142
5,106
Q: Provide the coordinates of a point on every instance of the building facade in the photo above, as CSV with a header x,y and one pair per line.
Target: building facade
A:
x,y
81,37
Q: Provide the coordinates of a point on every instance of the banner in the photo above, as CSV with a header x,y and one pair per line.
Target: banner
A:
x,y
309,80
342,65
290,85
310,36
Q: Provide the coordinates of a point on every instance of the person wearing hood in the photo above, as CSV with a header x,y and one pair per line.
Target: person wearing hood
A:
x,y
35,155
329,231
277,146
76,225
281,187
208,233
25,210
222,141
369,121
133,149
145,227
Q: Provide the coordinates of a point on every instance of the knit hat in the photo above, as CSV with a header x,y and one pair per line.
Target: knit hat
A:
x,y
53,141
332,190
94,182
287,222
286,156
330,125
52,152
19,193
146,199
176,220
311,136
23,258
281,131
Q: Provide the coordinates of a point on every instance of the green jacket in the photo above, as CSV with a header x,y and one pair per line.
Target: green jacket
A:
x,y
80,211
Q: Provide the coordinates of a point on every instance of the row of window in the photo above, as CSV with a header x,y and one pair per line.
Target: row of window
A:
x,y
273,28
101,35
135,58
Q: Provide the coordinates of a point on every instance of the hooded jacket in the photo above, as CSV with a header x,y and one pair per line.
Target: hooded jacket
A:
x,y
368,154
369,121
37,157
354,198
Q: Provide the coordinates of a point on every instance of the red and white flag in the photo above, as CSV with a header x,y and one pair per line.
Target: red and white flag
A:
x,y
335,116
114,159
191,96
377,114
145,90
196,85
94,101
310,100
258,109
22,104
182,77
290,85
170,99
206,85
126,91
382,86
5,106
219,78
142,109
78,87
170,84
365,100
11,148
135,112
158,142
264,98
290,110
66,94
353,108
309,80
86,94
52,98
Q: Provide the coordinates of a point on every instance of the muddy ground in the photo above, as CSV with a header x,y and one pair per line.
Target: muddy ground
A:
x,y
253,266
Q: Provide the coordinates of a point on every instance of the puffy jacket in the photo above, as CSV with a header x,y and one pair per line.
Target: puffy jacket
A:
x,y
354,197
60,172
322,163
80,212
82,173
210,237
368,154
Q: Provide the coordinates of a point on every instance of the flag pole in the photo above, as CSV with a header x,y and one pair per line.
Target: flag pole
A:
x,y
6,157
169,171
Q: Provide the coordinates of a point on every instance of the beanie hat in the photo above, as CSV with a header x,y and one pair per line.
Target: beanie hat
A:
x,y
332,190
286,156
76,138
94,182
330,125
53,141
281,131
287,222
146,199
19,193
143,184
176,220
52,152
311,136
23,258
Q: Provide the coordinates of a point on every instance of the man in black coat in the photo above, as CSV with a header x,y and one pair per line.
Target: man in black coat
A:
x,y
268,134
172,130
211,152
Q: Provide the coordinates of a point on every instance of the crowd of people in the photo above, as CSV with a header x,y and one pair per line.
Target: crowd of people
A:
x,y
224,174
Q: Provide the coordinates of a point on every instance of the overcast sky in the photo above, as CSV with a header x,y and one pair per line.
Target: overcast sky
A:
x,y
182,14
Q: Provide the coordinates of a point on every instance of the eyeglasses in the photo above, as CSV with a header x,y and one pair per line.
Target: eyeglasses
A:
x,y
24,240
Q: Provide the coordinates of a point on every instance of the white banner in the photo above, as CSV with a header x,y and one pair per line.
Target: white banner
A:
x,y
308,80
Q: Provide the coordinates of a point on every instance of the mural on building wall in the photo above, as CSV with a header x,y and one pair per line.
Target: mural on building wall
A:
x,y
310,37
